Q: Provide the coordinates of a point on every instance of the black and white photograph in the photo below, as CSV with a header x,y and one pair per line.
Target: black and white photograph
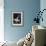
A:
x,y
17,18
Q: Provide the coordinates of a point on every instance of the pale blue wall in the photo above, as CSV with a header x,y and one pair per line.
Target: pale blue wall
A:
x,y
30,7
43,6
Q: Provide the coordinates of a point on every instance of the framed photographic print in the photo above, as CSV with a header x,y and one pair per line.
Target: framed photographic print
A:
x,y
17,18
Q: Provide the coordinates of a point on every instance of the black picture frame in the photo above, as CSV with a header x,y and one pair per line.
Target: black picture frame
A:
x,y
17,18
